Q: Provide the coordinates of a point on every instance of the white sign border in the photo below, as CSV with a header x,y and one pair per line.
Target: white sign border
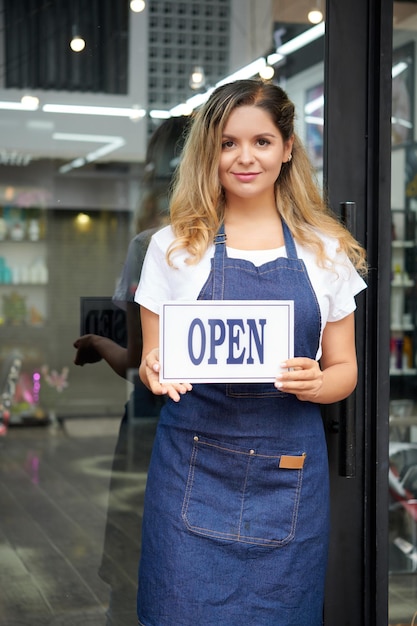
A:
x,y
288,304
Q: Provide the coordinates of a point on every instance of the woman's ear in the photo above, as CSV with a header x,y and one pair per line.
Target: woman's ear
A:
x,y
288,149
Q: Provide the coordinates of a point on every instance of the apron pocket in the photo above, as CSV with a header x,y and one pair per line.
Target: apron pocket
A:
x,y
238,494
254,390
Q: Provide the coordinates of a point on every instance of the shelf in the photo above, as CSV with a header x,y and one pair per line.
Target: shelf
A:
x,y
18,285
409,420
398,372
402,244
399,328
11,329
403,284
13,242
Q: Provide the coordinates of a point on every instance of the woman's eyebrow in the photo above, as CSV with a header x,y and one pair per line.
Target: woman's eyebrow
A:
x,y
266,134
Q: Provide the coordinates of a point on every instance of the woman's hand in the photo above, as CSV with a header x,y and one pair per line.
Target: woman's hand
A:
x,y
150,367
302,377
335,378
86,350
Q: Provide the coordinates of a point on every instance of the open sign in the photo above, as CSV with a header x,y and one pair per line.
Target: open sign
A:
x,y
225,340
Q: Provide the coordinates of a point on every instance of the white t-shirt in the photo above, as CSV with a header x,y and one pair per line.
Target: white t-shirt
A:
x,y
335,288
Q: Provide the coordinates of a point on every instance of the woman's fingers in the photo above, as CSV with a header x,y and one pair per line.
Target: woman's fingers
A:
x,y
173,390
300,376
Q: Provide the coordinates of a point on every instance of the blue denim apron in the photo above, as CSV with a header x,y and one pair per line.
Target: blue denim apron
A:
x,y
235,527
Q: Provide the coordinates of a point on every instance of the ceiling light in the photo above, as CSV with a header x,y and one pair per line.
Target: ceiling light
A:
x,y
314,119
82,220
315,16
12,157
159,114
250,70
308,36
398,68
186,108
136,113
266,72
314,105
79,109
16,106
245,72
29,102
137,6
111,143
197,78
401,122
274,58
77,43
85,137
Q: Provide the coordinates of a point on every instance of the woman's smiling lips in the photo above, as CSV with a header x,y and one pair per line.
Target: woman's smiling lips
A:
x,y
245,177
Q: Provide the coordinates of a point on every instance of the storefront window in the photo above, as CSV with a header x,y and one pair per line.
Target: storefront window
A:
x,y
75,128
75,187
403,366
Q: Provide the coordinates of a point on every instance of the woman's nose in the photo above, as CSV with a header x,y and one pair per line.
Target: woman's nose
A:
x,y
245,154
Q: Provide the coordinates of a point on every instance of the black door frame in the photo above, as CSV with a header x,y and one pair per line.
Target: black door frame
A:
x,y
358,59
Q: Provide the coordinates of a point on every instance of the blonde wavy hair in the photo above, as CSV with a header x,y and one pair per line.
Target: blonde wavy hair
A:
x,y
198,201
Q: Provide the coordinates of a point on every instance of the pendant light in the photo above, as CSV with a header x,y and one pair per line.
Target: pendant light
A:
x,y
315,15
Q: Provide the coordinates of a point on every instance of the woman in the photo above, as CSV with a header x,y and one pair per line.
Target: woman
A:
x,y
236,511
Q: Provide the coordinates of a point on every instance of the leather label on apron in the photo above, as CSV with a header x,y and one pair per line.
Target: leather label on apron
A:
x,y
292,462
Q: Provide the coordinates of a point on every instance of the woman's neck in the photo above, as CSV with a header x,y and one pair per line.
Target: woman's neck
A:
x,y
249,230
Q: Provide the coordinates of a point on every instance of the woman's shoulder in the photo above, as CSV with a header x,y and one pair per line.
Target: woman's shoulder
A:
x,y
330,241
336,264
331,244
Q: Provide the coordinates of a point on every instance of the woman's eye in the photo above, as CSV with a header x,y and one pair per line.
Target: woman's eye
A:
x,y
263,142
227,144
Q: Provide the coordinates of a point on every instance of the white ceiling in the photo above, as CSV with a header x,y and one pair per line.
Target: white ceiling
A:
x,y
36,134
32,135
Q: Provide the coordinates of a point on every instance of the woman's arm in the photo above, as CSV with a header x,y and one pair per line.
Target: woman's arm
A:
x,y
93,348
149,368
336,376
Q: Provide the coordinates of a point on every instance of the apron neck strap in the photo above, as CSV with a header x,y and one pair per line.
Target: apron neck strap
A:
x,y
218,263
289,242
221,236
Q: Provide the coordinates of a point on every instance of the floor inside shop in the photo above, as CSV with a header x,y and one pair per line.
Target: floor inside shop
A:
x,y
71,501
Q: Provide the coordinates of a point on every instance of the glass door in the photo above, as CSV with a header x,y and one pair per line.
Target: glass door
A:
x,y
403,324
357,170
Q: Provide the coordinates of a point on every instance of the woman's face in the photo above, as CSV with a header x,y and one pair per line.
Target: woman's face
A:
x,y
253,152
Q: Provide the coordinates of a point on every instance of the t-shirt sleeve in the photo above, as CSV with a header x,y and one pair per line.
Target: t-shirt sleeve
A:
x,y
346,283
154,286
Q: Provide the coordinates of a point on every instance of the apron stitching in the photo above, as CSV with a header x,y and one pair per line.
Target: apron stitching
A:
x,y
243,498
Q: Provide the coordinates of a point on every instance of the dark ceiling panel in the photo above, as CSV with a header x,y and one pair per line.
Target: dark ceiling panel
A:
x,y
37,49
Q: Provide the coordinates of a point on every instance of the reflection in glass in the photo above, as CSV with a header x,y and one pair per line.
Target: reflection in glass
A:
x,y
403,342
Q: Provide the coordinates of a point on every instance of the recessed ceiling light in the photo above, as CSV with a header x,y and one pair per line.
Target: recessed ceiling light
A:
x,y
30,102
315,16
77,43
137,6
